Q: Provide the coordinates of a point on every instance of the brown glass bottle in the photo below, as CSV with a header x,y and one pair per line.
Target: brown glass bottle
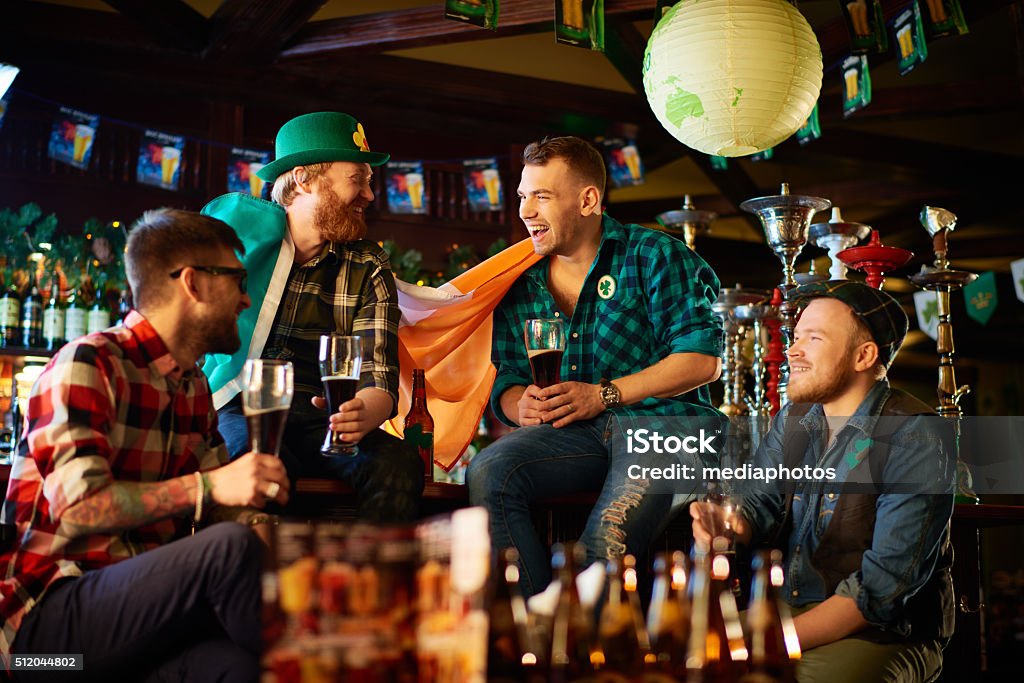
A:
x,y
419,425
53,317
668,619
571,633
10,314
717,652
511,656
773,644
621,634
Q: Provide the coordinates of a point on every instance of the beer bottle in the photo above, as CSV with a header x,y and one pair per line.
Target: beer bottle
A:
x,y
511,654
571,631
124,305
622,638
32,315
10,314
774,647
53,317
668,619
717,652
74,317
419,425
99,315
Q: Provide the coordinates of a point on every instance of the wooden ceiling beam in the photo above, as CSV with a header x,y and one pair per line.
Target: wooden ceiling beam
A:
x,y
172,22
256,30
426,26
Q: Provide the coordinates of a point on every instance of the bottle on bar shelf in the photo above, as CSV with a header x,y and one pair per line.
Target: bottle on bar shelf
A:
x,y
32,315
668,620
99,315
571,632
419,425
74,317
10,315
717,652
622,641
53,316
774,647
512,655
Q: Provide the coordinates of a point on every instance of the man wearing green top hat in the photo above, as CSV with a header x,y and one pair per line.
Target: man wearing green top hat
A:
x,y
312,272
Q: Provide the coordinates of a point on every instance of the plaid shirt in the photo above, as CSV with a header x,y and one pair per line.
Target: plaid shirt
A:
x,y
111,406
348,288
646,296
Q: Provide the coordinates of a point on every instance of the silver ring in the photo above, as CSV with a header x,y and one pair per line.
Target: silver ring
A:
x,y
273,489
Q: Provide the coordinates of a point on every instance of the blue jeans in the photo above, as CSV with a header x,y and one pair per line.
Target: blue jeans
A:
x,y
187,611
538,462
386,473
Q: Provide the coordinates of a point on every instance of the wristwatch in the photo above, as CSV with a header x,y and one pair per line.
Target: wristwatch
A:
x,y
610,394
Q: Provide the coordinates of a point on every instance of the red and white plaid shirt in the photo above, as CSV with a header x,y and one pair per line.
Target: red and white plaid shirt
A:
x,y
111,406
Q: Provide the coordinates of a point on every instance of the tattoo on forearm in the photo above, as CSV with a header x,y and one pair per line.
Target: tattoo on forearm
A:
x,y
127,505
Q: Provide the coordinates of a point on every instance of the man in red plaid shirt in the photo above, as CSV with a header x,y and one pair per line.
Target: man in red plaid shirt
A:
x,y
121,456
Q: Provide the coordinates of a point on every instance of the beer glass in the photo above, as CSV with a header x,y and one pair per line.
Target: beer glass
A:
x,y
723,523
340,361
545,344
268,386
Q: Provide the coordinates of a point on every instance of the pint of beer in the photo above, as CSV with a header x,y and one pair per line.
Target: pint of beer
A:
x,y
83,138
414,184
266,399
255,183
341,360
492,183
545,344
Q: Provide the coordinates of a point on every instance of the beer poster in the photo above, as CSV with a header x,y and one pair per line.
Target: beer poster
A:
x,y
407,192
625,167
763,155
477,12
3,110
719,163
811,130
943,18
72,137
242,167
866,24
160,160
856,84
981,298
580,23
909,33
483,184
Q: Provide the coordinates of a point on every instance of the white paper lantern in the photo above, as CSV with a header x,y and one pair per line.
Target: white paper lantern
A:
x,y
732,77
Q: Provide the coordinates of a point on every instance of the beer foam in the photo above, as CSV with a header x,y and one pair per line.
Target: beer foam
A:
x,y
246,410
536,352
324,378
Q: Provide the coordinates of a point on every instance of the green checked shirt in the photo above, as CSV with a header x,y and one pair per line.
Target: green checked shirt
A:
x,y
646,296
348,288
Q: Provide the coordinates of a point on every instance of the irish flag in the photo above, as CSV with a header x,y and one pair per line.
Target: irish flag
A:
x,y
447,332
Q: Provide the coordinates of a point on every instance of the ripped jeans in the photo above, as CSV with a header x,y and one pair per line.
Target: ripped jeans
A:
x,y
533,463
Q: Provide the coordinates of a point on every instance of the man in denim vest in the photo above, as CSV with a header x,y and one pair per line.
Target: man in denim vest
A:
x,y
867,554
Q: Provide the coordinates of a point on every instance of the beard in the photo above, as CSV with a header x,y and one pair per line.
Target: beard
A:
x,y
215,334
335,220
822,383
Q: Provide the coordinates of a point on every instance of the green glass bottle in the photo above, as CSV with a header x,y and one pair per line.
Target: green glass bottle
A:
x,y
10,313
32,315
53,317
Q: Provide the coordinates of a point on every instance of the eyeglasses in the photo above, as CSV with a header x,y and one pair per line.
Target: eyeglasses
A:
x,y
240,273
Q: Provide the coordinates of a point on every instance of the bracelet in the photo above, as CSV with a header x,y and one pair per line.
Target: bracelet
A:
x,y
200,491
262,518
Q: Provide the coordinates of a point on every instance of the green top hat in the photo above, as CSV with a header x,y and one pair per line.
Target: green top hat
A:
x,y
318,137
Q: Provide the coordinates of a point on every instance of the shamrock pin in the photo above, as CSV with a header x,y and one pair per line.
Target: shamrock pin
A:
x,y
606,287
860,449
359,138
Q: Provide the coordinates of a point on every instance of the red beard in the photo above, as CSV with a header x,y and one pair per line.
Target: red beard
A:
x,y
335,220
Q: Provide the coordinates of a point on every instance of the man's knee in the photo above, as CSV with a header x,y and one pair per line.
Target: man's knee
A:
x,y
486,470
232,541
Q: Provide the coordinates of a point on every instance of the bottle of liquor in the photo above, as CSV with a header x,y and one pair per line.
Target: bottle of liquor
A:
x,y
74,317
124,306
99,315
32,315
621,635
53,317
668,619
571,632
419,425
511,654
774,646
717,652
10,314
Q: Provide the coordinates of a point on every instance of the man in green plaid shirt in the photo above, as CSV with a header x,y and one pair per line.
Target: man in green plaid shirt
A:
x,y
328,278
641,340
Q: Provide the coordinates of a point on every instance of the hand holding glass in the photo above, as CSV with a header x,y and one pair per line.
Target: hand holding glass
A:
x,y
266,398
545,344
340,363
